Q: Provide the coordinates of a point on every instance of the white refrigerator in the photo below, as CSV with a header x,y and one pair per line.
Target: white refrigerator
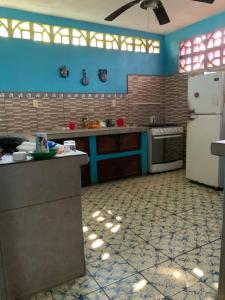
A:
x,y
206,95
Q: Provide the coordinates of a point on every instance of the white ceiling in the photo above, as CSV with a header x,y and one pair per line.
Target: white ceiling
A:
x,y
181,12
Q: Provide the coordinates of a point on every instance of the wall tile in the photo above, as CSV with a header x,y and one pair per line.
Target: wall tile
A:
x,y
164,97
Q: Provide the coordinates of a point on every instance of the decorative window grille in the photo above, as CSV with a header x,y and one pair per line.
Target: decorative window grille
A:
x,y
4,28
202,52
41,33
61,35
77,37
21,30
112,41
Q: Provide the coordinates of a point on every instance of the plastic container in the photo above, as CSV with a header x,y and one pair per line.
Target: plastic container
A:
x,y
43,155
69,145
19,156
120,122
72,125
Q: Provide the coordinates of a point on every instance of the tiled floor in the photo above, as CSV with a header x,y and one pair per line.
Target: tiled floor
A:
x,y
154,237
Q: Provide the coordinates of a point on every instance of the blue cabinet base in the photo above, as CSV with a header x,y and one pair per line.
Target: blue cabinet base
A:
x,y
94,157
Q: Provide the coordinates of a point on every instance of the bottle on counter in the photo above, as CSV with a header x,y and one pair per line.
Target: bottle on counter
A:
x,y
1,153
42,142
85,121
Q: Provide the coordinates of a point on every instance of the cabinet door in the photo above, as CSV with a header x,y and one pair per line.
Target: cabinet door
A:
x,y
107,144
85,175
108,169
130,166
130,141
82,144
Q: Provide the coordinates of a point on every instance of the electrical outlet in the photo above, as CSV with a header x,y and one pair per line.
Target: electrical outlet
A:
x,y
113,103
35,103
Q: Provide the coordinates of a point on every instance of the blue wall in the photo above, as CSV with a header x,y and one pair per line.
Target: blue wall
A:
x,y
32,66
172,40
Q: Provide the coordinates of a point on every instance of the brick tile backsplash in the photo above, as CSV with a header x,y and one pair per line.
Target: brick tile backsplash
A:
x,y
164,97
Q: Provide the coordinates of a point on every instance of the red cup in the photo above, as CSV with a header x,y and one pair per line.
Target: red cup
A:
x,y
72,125
120,122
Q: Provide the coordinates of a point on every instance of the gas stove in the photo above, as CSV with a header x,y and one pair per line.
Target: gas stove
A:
x,y
161,125
165,129
165,147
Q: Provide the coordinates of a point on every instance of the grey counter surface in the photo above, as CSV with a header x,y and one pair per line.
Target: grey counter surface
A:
x,y
80,156
67,133
218,148
57,134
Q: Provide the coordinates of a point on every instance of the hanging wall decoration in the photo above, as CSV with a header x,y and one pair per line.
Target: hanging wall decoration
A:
x,y
84,80
102,74
64,72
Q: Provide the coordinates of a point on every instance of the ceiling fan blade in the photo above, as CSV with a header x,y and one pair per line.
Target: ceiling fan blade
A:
x,y
161,14
205,1
121,10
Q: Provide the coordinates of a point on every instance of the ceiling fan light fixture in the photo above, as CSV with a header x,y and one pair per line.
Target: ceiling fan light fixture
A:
x,y
156,5
153,4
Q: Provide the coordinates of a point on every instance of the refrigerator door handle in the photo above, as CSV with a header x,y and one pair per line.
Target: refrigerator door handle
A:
x,y
192,118
191,111
162,137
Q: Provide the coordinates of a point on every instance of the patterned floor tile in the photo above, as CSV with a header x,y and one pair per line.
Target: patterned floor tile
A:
x,y
75,288
90,237
196,292
169,278
98,254
133,288
101,224
153,218
87,231
112,269
210,219
123,239
174,244
144,256
200,234
42,296
94,215
110,225
146,216
98,295
160,226
95,248
203,263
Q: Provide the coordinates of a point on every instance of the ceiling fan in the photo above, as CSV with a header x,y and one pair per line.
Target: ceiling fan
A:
x,y
155,5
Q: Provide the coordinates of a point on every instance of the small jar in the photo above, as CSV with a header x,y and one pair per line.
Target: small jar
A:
x,y
85,121
69,146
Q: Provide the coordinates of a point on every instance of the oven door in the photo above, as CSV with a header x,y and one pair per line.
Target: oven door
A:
x,y
167,148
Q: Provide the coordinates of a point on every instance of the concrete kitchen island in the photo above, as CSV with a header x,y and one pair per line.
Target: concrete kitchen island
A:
x,y
41,238
114,152
218,148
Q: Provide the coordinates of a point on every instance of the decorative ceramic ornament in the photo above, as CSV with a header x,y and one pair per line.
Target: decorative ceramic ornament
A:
x,y
64,72
85,80
102,74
